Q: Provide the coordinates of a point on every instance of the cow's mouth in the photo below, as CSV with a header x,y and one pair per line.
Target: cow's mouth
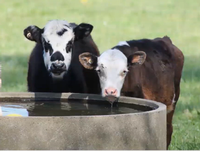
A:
x,y
111,98
57,71
57,68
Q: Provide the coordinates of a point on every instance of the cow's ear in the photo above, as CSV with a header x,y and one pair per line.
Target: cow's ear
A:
x,y
82,30
137,58
88,60
33,33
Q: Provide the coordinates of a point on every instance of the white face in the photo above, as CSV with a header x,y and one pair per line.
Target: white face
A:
x,y
112,69
57,39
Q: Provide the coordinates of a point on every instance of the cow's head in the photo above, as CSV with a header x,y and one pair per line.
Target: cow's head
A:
x,y
57,39
112,67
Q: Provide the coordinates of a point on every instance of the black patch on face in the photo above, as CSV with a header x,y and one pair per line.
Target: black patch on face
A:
x,y
60,33
66,26
47,47
101,71
69,46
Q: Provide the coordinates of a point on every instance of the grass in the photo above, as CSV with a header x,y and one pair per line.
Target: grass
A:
x,y
113,21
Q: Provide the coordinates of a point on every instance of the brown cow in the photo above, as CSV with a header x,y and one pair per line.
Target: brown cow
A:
x,y
145,68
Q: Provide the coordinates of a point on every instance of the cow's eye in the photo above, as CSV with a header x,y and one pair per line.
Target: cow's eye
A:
x,y
98,71
69,46
124,72
47,47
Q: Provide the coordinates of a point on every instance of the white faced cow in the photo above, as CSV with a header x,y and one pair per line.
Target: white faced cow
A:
x,y
145,68
53,64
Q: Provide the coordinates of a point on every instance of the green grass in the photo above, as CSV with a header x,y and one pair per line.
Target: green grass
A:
x,y
113,21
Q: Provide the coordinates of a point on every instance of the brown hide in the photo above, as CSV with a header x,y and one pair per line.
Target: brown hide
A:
x,y
159,77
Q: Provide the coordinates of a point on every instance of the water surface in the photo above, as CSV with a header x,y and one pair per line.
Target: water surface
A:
x,y
73,108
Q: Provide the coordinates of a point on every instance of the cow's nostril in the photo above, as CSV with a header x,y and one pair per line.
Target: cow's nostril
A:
x,y
106,92
113,91
110,91
62,65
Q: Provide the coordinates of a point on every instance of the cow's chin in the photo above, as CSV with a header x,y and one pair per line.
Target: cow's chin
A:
x,y
111,98
58,75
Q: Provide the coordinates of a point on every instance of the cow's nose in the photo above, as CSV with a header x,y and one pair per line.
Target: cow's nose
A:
x,y
58,66
57,56
111,91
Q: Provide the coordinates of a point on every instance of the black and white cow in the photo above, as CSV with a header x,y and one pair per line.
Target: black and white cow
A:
x,y
53,63
145,68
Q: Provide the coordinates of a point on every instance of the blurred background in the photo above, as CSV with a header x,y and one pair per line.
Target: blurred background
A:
x,y
113,21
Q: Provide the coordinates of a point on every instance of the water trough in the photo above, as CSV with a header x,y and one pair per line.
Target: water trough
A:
x,y
81,121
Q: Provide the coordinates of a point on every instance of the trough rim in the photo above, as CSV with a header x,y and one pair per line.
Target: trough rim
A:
x,y
29,96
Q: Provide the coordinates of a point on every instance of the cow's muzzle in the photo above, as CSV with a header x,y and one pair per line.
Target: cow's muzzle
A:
x,y
57,68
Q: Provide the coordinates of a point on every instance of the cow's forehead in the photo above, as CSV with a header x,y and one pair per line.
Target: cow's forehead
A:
x,y
57,28
112,58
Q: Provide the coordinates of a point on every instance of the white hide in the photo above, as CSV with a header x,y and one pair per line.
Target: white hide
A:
x,y
58,43
112,64
123,43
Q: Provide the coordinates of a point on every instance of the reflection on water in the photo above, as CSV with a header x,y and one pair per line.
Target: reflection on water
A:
x,y
13,110
73,108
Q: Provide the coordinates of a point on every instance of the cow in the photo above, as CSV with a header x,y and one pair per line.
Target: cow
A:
x,y
144,68
53,63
